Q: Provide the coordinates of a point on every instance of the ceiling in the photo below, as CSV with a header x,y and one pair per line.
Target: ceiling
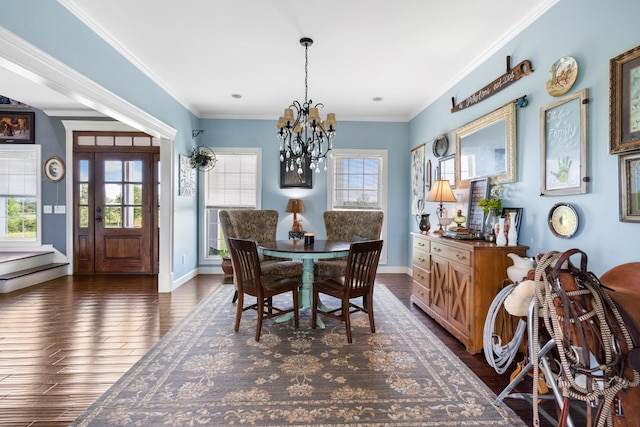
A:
x,y
203,52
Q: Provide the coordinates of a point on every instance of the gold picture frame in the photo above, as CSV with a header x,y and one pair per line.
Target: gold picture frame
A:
x,y
564,146
624,92
629,173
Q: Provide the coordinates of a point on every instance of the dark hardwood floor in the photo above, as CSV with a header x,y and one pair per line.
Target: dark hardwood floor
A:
x,y
65,342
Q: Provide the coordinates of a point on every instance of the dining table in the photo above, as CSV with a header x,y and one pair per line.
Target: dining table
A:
x,y
307,253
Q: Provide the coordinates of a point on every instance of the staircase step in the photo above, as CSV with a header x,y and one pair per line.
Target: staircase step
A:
x,y
15,261
15,280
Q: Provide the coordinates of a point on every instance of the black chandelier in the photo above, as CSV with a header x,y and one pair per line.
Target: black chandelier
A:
x,y
304,137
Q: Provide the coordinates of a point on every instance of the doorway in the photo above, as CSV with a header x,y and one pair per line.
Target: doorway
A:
x,y
115,204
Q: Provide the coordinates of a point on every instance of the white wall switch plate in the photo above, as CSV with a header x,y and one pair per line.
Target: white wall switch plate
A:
x,y
60,209
47,209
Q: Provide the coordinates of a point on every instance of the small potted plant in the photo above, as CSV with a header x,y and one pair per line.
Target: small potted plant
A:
x,y
227,265
491,207
202,158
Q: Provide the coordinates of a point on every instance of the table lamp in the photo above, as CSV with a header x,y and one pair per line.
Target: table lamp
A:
x,y
296,206
441,193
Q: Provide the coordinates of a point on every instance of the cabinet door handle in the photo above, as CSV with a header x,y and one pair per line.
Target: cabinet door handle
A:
x,y
437,250
420,244
461,257
421,259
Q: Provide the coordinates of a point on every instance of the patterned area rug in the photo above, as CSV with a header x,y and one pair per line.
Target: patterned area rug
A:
x,y
203,373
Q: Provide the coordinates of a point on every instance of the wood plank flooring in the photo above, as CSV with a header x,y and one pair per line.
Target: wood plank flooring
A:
x,y
65,342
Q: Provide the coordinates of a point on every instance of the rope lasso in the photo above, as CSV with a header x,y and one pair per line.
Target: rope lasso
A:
x,y
586,326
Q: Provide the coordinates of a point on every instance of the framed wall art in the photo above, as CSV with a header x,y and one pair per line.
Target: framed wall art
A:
x,y
292,179
509,213
563,146
447,167
428,176
629,165
54,169
478,190
6,102
417,180
187,180
17,127
624,102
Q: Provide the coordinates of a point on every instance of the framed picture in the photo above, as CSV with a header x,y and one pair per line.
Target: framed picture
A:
x,y
447,167
187,179
293,179
563,146
509,213
629,187
478,190
17,127
417,180
11,103
427,176
54,169
624,102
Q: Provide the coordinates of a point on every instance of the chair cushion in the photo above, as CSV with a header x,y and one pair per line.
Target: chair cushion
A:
x,y
329,268
281,268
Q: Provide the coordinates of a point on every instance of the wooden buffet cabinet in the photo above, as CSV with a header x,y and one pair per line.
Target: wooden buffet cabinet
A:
x,y
455,281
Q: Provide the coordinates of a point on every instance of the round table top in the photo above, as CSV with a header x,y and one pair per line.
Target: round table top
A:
x,y
298,246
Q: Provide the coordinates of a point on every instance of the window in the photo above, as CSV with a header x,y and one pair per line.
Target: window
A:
x,y
357,180
234,183
19,193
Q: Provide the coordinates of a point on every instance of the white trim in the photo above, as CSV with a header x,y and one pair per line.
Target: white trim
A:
x,y
202,217
355,152
34,64
122,49
165,275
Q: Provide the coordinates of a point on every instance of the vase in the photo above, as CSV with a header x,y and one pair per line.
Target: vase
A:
x,y
490,222
501,237
512,235
423,223
227,266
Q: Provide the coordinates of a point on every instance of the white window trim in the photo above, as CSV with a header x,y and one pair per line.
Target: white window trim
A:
x,y
29,244
384,154
202,217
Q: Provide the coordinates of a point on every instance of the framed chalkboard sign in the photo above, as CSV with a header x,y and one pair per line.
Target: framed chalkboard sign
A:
x,y
478,190
563,146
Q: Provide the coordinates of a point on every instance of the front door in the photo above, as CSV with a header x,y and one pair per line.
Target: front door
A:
x,y
115,220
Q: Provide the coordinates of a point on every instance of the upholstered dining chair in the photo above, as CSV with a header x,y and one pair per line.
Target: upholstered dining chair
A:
x,y
260,225
362,266
251,281
347,226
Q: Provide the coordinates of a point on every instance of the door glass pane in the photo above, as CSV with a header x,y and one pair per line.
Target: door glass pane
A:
x,y
113,217
84,217
84,193
112,171
133,194
113,194
133,171
84,170
132,217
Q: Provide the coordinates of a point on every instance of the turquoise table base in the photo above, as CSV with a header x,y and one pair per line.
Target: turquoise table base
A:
x,y
296,249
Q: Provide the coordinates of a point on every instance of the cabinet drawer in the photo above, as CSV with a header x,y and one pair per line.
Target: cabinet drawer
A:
x,y
421,244
421,293
421,276
422,259
452,254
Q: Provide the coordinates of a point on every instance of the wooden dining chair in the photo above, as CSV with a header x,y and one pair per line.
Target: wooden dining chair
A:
x,y
362,266
251,281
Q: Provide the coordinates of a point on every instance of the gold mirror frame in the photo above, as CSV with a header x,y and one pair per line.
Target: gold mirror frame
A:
x,y
471,135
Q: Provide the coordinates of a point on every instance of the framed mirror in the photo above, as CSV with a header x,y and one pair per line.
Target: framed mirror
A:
x,y
486,148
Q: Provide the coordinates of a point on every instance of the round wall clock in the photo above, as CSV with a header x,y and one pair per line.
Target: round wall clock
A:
x,y
563,220
440,146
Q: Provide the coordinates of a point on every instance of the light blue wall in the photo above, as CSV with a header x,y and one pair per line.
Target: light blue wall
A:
x,y
50,27
360,135
592,32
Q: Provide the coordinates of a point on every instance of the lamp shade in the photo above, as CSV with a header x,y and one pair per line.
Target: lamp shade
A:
x,y
441,192
295,206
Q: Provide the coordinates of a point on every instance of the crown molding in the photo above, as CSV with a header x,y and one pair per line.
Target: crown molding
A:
x,y
23,58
